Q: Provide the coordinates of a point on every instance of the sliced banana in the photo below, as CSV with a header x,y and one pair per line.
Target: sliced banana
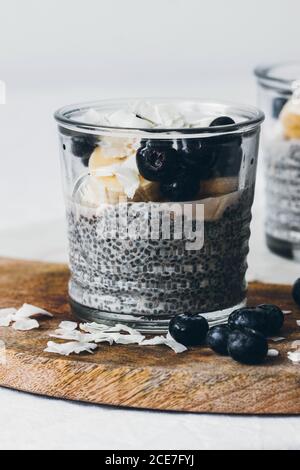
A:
x,y
110,187
291,125
219,186
290,116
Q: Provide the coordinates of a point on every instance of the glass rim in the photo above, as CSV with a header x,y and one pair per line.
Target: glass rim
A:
x,y
264,75
254,117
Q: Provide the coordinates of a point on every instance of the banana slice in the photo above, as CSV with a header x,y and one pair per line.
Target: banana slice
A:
x,y
147,191
111,189
219,186
290,117
291,125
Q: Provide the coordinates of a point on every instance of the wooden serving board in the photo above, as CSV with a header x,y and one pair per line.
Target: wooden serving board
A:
x,y
132,376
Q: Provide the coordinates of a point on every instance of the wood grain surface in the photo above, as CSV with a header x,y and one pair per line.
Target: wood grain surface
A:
x,y
132,376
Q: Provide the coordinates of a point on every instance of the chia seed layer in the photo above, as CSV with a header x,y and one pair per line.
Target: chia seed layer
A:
x,y
159,278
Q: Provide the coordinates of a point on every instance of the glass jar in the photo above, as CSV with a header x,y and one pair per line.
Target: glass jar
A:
x,y
158,218
281,146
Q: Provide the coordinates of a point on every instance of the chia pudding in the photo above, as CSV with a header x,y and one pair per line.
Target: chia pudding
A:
x,y
146,156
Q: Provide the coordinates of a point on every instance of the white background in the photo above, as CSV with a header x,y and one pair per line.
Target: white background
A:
x,y
55,52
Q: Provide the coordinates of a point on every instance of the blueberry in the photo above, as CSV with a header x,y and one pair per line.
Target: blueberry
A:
x,y
296,292
222,121
274,318
217,339
189,330
157,161
83,146
278,104
184,188
252,318
197,156
247,346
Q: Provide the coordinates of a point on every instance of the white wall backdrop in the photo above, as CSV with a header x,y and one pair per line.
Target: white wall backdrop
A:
x,y
159,45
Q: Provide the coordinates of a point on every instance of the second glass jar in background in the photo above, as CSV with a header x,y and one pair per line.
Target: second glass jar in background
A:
x,y
279,97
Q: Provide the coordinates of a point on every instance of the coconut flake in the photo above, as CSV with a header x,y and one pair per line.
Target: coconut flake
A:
x,y
70,335
129,180
298,322
166,341
287,312
177,347
24,324
273,353
156,341
66,349
294,356
119,328
6,316
127,118
296,344
28,311
93,327
129,339
276,339
68,325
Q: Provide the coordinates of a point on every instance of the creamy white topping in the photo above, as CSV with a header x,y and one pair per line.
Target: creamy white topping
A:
x,y
146,115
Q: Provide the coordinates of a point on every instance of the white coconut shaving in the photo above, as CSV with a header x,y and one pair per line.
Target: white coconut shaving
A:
x,y
66,349
93,327
25,324
6,316
296,344
273,353
68,325
21,318
94,333
156,341
28,311
165,341
298,322
70,335
126,172
287,312
129,339
277,339
294,356
148,115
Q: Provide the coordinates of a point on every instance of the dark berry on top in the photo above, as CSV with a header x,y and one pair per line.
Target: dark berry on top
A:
x,y
247,346
296,292
222,121
189,330
197,157
253,318
184,188
157,161
217,339
274,318
83,146
278,104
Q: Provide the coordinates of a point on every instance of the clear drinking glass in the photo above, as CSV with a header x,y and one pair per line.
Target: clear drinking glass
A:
x,y
199,181
279,97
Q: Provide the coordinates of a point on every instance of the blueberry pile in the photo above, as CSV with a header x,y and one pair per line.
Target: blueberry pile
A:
x,y
244,339
180,170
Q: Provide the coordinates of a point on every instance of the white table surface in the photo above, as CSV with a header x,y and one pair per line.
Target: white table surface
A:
x,y
32,227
